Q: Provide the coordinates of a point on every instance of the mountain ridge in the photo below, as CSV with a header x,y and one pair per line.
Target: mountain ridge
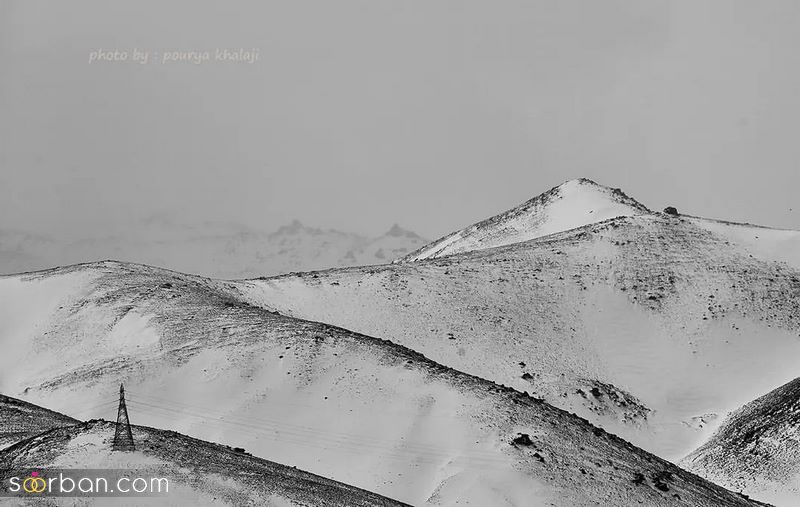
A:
x,y
20,420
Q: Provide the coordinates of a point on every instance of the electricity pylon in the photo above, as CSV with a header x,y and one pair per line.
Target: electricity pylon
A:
x,y
123,437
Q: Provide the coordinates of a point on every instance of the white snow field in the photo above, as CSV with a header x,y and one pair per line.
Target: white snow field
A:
x,y
572,204
356,409
757,448
197,472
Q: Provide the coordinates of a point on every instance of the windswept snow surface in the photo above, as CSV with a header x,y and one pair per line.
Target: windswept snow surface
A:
x,y
757,448
572,204
197,472
650,326
780,245
357,409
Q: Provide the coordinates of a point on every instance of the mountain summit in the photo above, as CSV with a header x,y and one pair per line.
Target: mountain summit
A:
x,y
572,204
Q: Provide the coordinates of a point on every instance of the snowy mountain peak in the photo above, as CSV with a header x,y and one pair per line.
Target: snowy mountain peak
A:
x,y
580,181
398,232
586,192
296,227
572,204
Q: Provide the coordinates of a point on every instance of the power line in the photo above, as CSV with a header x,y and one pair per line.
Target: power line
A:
x,y
89,409
348,443
303,431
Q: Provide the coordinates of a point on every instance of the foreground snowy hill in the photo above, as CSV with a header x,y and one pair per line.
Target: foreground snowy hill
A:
x,y
360,410
212,249
651,325
20,420
567,206
199,473
757,448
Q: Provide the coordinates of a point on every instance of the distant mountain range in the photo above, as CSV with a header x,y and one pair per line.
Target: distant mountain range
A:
x,y
215,250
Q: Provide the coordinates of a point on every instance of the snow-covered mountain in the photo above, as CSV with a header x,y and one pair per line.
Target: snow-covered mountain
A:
x,y
198,472
218,250
652,326
357,409
572,204
757,448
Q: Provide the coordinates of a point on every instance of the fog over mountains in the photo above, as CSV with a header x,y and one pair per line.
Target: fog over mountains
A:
x,y
567,352
212,249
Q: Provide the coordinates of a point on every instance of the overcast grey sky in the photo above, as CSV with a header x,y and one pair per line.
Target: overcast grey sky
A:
x,y
358,114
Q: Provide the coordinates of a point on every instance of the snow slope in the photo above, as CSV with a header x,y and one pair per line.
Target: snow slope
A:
x,y
199,473
357,409
572,204
757,448
20,420
780,245
650,326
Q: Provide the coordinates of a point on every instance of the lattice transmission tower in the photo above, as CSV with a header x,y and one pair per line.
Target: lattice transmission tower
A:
x,y
123,436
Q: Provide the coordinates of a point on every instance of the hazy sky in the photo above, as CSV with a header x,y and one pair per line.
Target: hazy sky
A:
x,y
358,114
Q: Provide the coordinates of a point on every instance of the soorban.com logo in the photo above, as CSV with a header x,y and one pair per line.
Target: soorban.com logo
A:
x,y
33,484
83,482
